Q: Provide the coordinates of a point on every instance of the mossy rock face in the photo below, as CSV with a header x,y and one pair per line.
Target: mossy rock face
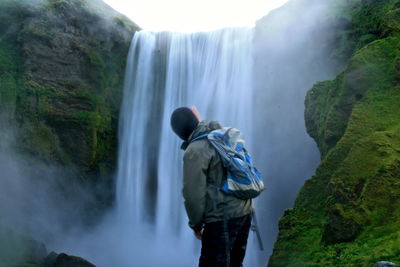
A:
x,y
19,250
61,76
348,213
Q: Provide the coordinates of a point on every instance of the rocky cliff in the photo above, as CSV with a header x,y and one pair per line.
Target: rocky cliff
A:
x,y
61,73
62,66
348,213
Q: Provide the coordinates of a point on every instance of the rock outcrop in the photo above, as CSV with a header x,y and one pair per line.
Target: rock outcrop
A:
x,y
62,65
64,260
384,264
61,73
348,213
22,250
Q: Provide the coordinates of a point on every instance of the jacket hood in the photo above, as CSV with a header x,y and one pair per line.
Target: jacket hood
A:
x,y
203,128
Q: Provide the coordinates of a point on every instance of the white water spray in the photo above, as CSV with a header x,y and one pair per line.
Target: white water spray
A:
x,y
212,71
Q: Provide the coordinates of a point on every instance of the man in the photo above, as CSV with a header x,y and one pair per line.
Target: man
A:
x,y
220,221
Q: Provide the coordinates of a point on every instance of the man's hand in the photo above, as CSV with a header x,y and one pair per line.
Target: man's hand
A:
x,y
198,234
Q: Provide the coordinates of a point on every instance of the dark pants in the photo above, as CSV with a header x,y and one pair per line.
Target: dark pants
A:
x,y
224,244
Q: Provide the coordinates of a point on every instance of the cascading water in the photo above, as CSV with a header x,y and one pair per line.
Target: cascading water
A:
x,y
212,71
252,79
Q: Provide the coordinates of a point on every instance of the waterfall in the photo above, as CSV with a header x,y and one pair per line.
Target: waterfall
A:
x,y
251,79
210,70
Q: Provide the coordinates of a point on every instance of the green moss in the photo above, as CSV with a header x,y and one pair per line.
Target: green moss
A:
x,y
348,213
8,88
10,77
126,23
367,21
19,250
60,5
5,4
41,141
61,84
42,30
95,59
92,119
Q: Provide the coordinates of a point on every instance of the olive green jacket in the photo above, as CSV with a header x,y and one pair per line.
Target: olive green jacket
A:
x,y
203,175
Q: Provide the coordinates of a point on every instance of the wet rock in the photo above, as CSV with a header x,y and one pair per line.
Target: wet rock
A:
x,y
64,260
50,259
384,264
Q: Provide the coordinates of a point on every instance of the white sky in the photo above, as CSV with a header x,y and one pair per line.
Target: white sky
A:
x,y
193,15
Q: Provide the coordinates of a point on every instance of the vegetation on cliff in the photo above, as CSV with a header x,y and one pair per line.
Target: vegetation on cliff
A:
x,y
62,66
348,213
61,73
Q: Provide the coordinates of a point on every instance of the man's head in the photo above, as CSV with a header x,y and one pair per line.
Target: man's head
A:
x,y
184,121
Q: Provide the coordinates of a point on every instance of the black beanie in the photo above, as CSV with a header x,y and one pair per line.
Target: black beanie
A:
x,y
183,122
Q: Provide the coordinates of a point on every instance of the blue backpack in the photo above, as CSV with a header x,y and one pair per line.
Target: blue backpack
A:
x,y
243,180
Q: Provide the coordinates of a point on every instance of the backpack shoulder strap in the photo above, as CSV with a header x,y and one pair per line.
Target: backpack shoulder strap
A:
x,y
198,137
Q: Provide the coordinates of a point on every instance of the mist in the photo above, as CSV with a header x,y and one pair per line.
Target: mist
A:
x,y
39,199
293,48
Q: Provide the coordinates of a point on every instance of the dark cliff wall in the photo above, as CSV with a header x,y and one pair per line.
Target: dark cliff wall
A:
x,y
61,73
62,65
348,213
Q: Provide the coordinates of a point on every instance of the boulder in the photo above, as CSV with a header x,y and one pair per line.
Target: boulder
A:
x,y
64,260
384,264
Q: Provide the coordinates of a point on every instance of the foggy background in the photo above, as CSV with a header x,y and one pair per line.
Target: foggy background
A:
x,y
39,199
293,47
